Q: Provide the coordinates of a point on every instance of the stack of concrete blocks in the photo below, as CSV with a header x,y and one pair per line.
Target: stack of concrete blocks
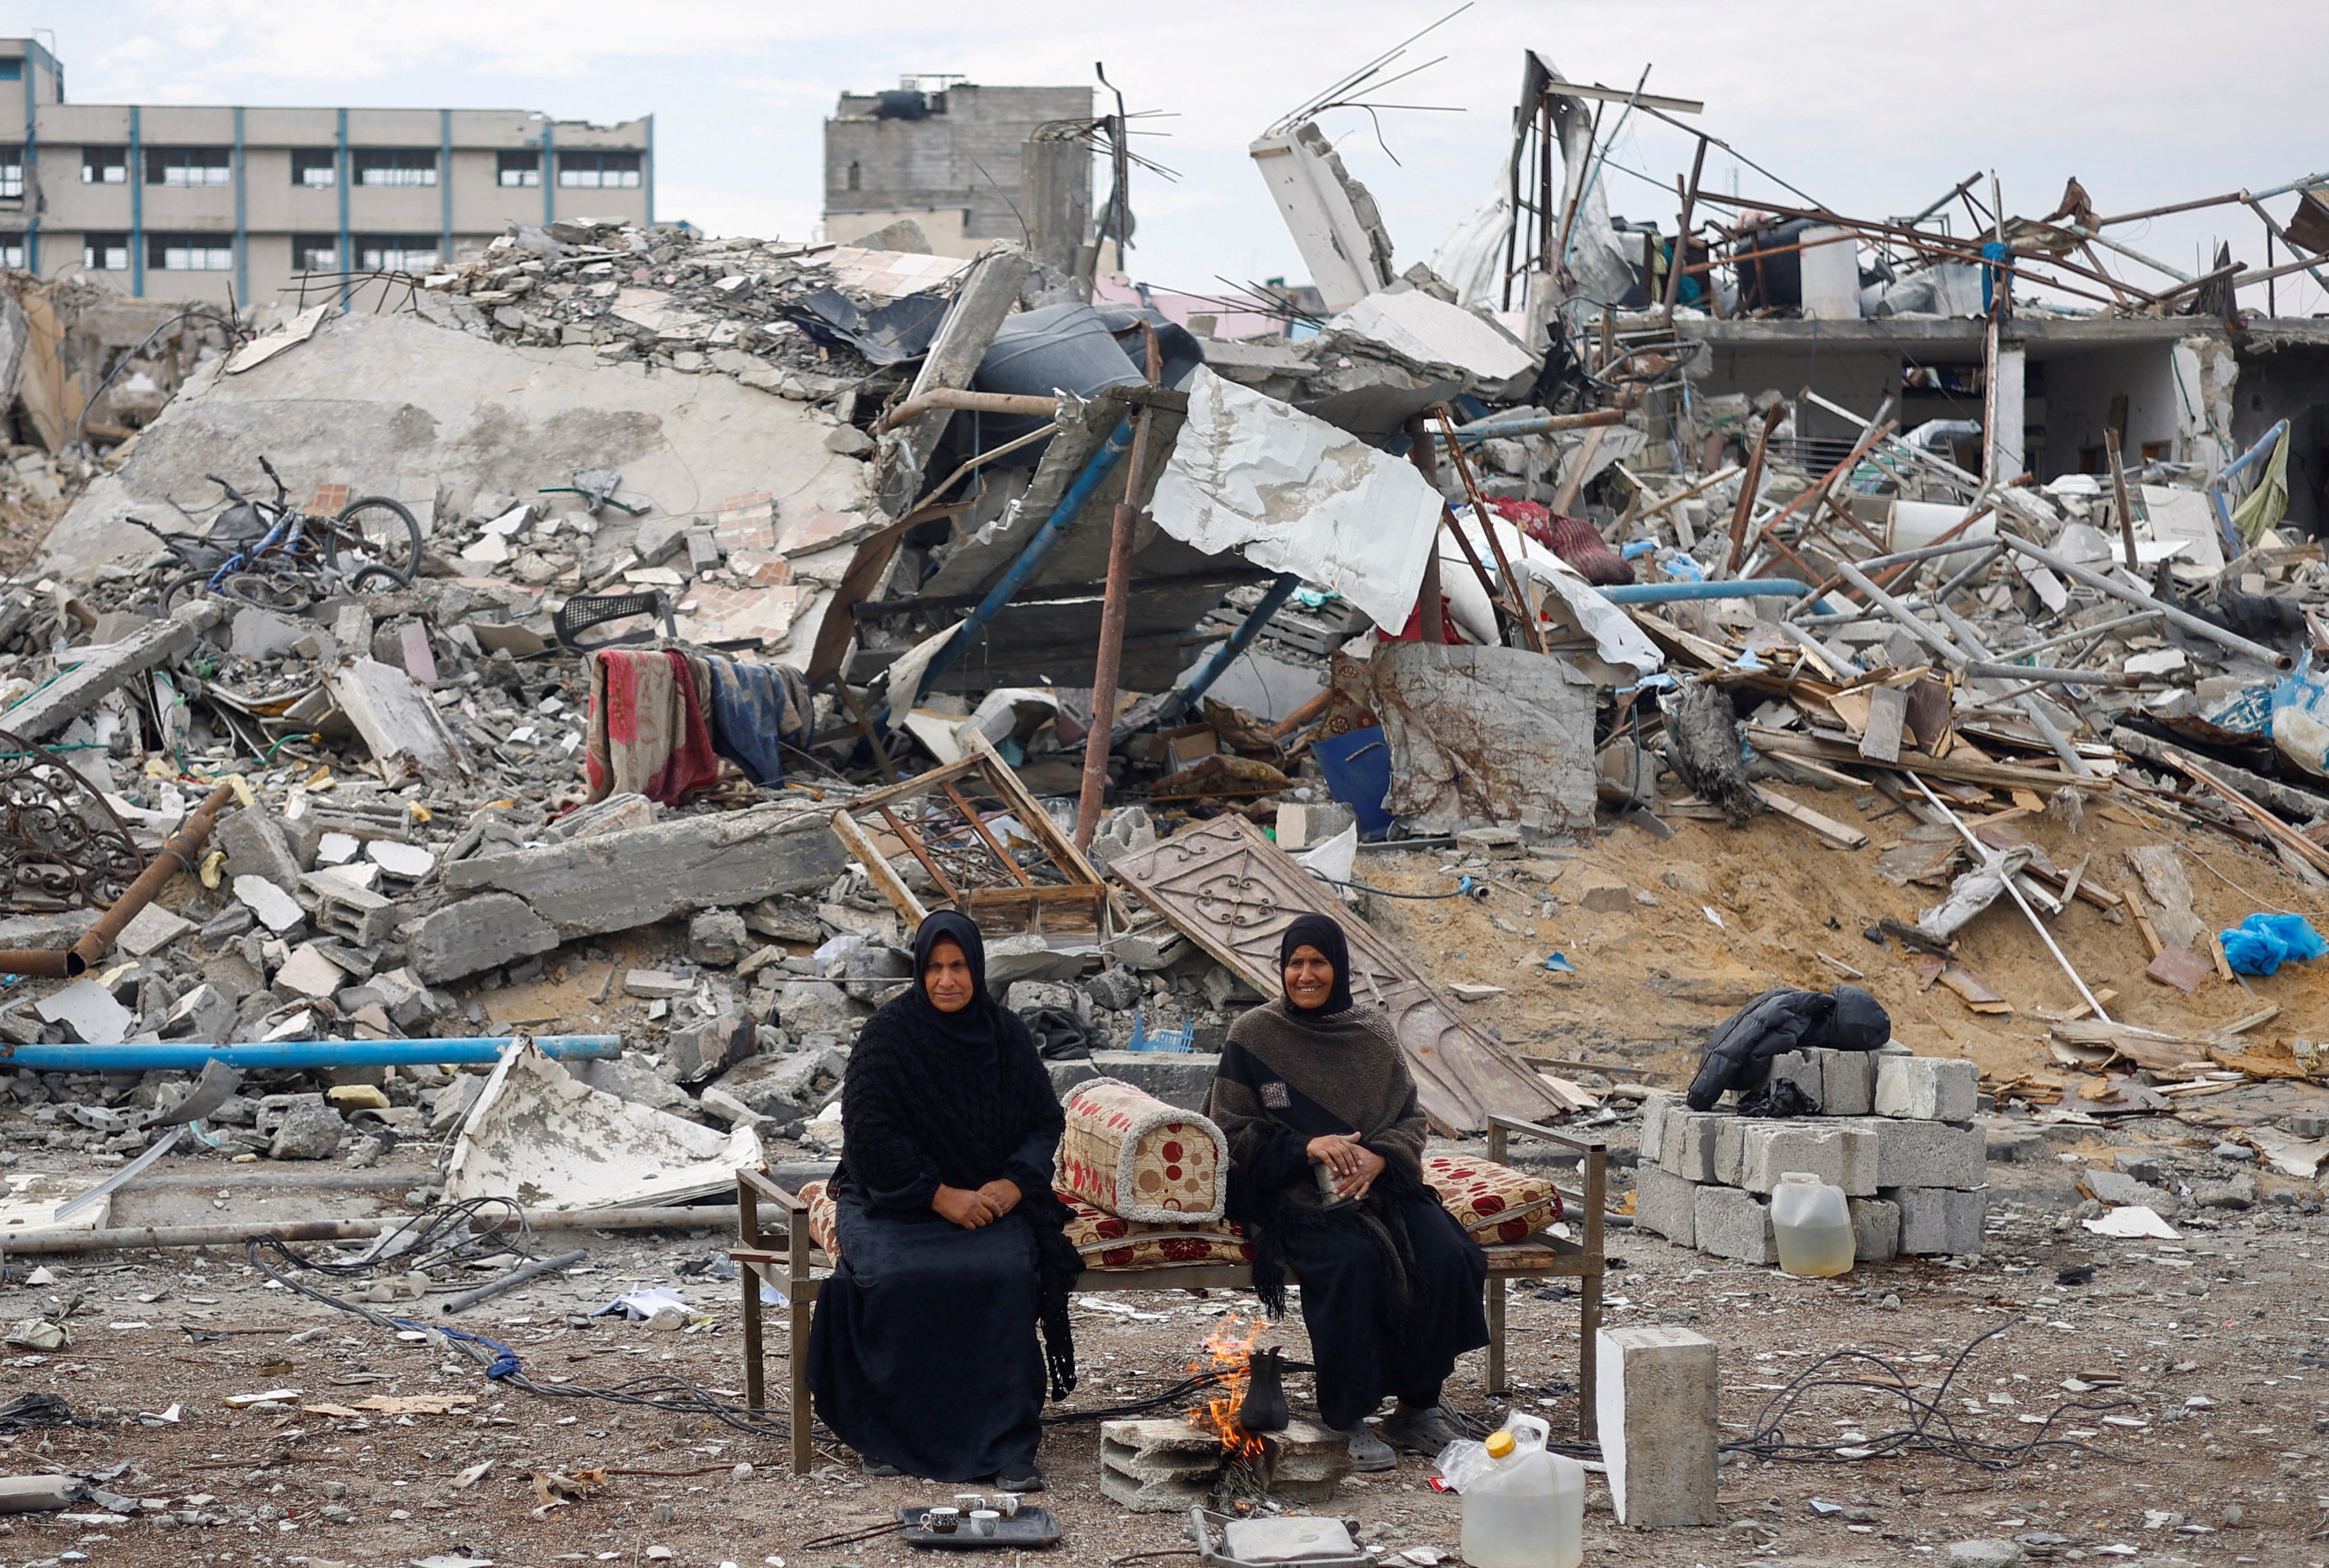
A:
x,y
1161,1465
1895,1132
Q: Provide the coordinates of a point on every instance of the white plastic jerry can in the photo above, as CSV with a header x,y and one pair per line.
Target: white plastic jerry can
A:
x,y
1528,1511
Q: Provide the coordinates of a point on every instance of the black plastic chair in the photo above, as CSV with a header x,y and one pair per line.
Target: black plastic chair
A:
x,y
583,612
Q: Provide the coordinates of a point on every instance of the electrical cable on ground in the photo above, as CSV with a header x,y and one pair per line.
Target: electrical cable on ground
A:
x,y
1930,1429
435,1241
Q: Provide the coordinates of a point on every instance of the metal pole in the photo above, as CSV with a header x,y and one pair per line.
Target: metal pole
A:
x,y
1239,640
1025,566
2118,493
1110,665
1429,618
2119,590
1982,853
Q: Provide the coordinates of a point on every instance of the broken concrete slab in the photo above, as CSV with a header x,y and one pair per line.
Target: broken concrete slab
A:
x,y
394,719
105,669
151,929
373,399
475,935
256,845
539,1135
278,911
308,973
620,880
89,1012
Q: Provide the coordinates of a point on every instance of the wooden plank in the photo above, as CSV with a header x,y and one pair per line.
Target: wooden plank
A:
x,y
1837,832
853,838
1888,714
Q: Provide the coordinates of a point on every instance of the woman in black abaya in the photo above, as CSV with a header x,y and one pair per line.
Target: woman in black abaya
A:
x,y
923,1356
1314,1092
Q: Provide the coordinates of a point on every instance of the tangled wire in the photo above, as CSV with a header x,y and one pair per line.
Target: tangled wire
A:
x,y
1929,1429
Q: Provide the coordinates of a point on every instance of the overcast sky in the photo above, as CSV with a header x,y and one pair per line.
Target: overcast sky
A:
x,y
1871,109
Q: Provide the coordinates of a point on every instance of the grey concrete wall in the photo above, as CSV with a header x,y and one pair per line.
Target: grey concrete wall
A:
x,y
965,156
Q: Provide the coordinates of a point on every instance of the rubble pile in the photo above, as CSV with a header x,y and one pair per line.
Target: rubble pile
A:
x,y
806,322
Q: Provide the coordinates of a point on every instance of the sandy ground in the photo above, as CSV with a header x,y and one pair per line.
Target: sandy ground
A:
x,y
2214,1341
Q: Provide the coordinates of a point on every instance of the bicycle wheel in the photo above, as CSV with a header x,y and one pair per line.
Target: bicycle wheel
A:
x,y
184,588
375,529
374,578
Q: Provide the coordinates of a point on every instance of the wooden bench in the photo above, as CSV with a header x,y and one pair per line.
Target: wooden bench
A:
x,y
786,1259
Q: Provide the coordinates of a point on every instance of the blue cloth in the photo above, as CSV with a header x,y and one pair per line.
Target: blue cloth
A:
x,y
2263,942
754,708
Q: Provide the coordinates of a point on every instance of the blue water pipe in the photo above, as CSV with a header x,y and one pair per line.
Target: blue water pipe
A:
x,y
1030,561
1669,592
1239,640
2233,543
190,1055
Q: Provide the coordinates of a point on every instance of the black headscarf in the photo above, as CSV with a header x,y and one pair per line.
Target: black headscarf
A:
x,y
960,1099
977,1026
1322,932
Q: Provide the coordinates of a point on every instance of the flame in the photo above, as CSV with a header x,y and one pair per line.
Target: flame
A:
x,y
1229,1353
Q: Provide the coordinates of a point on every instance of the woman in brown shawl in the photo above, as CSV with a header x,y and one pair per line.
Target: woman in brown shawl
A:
x,y
1327,1175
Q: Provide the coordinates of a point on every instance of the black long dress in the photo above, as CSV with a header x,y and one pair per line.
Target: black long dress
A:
x,y
1391,1286
924,1354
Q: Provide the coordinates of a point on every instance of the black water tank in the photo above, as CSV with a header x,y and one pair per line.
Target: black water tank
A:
x,y
902,103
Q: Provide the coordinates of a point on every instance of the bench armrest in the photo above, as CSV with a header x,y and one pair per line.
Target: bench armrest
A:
x,y
1596,1196
763,1187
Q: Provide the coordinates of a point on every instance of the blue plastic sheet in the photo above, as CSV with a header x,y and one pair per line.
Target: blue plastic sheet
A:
x,y
2263,942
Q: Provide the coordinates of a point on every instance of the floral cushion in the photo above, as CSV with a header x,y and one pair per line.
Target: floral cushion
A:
x,y
1106,1241
822,1211
1494,1202
1130,1154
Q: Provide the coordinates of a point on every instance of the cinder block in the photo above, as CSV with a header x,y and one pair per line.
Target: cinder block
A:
x,y
1875,1230
1686,1146
1666,1204
1801,1067
1735,1224
1926,1154
1939,1220
1861,1153
1926,1088
1660,1385
1769,1149
1847,1082
1729,1139
1655,1111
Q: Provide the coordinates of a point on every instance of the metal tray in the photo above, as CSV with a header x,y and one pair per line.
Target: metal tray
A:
x,y
1029,1529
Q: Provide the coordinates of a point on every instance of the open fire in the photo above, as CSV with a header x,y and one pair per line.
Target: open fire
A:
x,y
1227,1352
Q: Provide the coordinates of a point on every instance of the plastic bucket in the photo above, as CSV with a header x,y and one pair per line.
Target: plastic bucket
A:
x,y
1357,765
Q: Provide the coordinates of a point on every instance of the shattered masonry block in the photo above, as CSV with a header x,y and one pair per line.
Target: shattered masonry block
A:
x,y
1802,1068
476,934
1656,1109
1937,1222
1687,1150
1667,1205
255,845
1735,1224
363,916
1847,1082
1927,1088
1770,1150
1875,1230
1926,1154
1660,1387
697,1051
